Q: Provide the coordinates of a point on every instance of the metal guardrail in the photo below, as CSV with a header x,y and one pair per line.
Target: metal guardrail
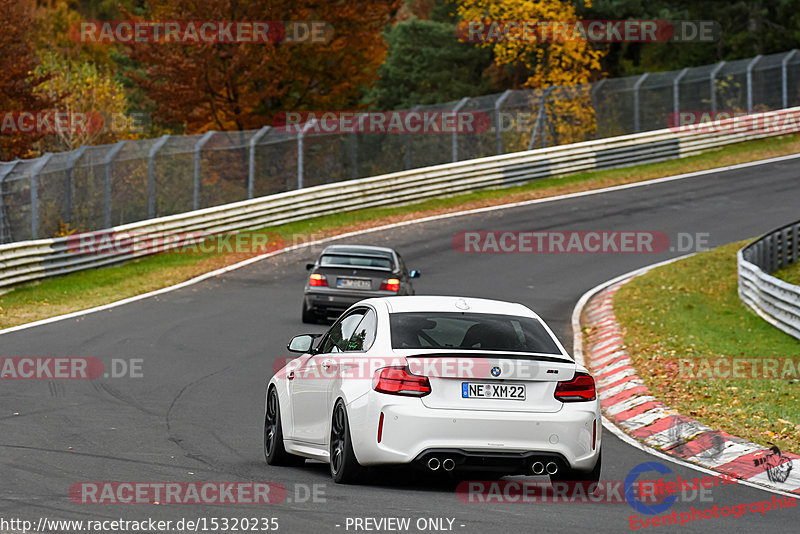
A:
x,y
95,187
32,260
778,302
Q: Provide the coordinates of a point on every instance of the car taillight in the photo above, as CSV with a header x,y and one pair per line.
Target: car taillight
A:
x,y
392,284
399,381
580,388
317,280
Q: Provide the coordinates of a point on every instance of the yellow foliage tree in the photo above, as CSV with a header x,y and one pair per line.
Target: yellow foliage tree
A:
x,y
82,87
569,64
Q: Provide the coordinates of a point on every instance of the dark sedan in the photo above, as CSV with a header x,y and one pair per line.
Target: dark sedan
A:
x,y
346,274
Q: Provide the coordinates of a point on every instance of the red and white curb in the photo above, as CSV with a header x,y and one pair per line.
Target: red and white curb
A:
x,y
627,403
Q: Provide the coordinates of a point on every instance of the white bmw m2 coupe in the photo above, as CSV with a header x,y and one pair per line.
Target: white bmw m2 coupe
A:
x,y
440,383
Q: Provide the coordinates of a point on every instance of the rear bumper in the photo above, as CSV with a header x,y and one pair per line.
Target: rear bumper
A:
x,y
412,432
326,302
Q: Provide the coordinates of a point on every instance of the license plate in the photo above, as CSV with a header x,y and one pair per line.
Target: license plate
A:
x,y
475,390
354,283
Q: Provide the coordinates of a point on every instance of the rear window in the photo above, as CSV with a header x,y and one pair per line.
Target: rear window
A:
x,y
470,331
334,260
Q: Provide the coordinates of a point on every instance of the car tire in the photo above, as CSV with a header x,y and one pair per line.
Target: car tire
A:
x,y
345,468
571,475
309,316
274,451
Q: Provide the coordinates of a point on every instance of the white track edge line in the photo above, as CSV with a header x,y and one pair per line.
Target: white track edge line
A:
x,y
577,350
249,261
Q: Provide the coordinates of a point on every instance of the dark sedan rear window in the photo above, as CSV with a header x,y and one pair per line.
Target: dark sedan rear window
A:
x,y
333,260
470,331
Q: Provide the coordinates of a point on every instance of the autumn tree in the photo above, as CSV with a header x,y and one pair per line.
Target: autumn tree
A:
x,y
83,87
17,78
238,86
569,64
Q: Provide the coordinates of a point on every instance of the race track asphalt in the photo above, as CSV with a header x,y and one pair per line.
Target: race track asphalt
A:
x,y
207,351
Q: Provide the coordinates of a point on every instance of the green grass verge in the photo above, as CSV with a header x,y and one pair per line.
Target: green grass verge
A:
x,y
789,274
691,309
47,298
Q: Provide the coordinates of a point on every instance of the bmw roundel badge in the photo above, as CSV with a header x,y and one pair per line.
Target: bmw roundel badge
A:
x,y
495,371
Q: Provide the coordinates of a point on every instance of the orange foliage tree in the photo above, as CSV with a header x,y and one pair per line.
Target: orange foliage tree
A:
x,y
17,78
238,86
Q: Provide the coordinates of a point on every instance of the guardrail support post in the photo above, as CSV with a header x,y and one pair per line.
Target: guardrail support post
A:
x,y
107,163
784,78
712,80
251,170
636,86
750,67
676,94
5,225
461,104
76,155
196,183
151,175
499,122
35,170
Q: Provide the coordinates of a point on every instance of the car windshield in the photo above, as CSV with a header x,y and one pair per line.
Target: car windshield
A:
x,y
374,262
471,331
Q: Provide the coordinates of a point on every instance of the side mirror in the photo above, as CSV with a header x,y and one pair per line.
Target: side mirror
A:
x,y
301,343
414,274
309,266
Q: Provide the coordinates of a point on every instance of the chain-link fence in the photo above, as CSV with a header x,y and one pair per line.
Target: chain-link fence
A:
x,y
102,186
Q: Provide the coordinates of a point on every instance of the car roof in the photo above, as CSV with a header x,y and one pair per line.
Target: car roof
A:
x,y
364,250
420,303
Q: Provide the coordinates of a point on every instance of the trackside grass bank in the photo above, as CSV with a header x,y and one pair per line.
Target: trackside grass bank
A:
x,y
698,349
79,291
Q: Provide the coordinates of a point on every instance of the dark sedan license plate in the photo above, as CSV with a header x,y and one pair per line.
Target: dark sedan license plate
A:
x,y
354,283
476,390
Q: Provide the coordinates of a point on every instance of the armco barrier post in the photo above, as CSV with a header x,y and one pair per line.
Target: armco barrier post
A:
x,y
107,164
750,67
461,104
198,147
497,107
35,170
785,78
76,155
151,175
251,170
713,80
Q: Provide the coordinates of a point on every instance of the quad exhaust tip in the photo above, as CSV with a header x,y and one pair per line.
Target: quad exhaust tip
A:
x,y
448,464
433,464
537,468
552,468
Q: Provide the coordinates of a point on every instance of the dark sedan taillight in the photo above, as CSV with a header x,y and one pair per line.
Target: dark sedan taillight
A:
x,y
317,280
579,389
392,284
399,381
